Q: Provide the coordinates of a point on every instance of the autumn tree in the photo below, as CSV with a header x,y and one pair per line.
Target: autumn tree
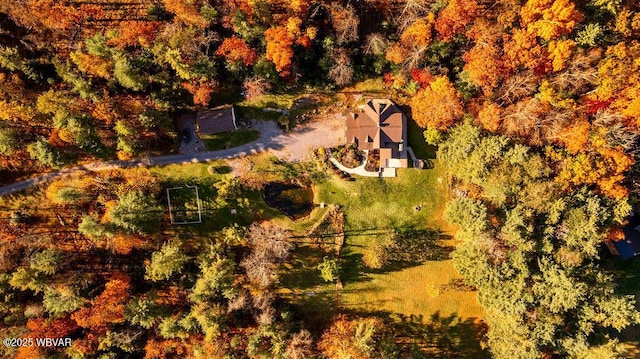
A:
x,y
455,17
135,33
489,116
235,50
345,22
438,105
550,19
188,12
348,338
279,50
483,62
108,308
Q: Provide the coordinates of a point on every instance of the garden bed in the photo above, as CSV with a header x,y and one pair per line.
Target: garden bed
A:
x,y
348,156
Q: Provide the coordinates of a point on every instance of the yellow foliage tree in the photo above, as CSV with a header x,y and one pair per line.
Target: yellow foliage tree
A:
x,y
438,105
619,80
92,64
418,33
559,52
550,19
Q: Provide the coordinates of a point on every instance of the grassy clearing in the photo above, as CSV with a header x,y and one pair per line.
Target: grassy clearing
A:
x,y
249,205
221,141
373,206
388,203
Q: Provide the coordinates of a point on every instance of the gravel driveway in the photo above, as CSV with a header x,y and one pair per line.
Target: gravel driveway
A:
x,y
294,146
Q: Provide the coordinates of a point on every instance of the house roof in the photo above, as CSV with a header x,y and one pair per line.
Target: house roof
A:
x,y
216,120
630,245
381,124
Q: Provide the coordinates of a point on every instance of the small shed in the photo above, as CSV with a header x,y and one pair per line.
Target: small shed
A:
x,y
216,120
630,246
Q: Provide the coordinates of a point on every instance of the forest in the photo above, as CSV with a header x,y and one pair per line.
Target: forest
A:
x,y
533,106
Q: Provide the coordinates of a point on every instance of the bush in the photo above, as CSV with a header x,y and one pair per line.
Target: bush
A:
x,y
375,256
329,269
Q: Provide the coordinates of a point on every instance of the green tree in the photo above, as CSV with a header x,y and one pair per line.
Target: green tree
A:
x,y
136,212
8,141
11,60
169,260
126,74
142,311
42,151
46,261
60,300
91,228
329,269
217,274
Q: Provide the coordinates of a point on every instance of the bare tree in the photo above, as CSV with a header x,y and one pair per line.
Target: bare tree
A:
x,y
617,133
345,22
300,345
375,44
517,87
269,244
342,71
255,87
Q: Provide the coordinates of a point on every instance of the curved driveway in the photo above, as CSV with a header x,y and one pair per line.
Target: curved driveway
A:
x,y
291,146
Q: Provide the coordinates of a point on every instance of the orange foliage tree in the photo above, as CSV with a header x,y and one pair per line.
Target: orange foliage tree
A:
x,y
135,33
522,49
483,62
438,105
575,136
490,116
108,307
602,166
455,17
418,33
201,89
234,49
279,49
51,328
187,12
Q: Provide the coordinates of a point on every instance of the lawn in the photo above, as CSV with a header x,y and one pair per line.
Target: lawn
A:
x,y
249,205
426,291
221,141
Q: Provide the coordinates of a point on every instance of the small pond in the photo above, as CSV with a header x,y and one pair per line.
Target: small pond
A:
x,y
291,199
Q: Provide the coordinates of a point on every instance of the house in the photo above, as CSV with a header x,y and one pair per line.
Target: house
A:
x,y
216,120
381,127
630,246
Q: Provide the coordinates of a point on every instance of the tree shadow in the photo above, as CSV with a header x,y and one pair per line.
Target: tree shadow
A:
x,y
419,245
448,336
438,336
